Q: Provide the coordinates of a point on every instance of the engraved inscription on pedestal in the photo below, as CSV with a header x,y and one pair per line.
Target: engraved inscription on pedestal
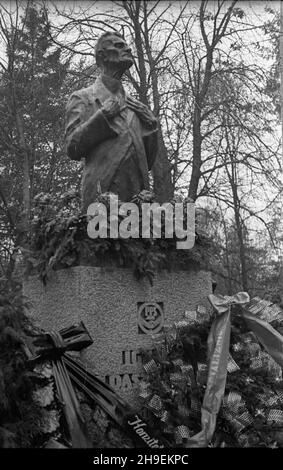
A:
x,y
130,359
150,320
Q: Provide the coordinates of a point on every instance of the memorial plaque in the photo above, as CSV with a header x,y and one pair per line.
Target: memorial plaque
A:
x,y
150,317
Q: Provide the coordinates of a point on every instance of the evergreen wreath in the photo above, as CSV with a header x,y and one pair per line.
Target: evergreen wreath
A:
x,y
174,383
28,412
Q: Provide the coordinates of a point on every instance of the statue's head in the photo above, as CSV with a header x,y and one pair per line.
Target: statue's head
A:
x,y
112,49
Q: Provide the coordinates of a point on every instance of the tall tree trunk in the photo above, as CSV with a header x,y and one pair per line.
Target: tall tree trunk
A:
x,y
239,228
196,169
200,85
281,96
161,171
162,178
24,154
228,266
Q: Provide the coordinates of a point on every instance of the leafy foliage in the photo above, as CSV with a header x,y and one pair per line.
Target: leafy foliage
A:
x,y
20,417
60,240
33,89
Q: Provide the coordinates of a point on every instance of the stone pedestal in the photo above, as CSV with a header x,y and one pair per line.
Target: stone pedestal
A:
x,y
119,312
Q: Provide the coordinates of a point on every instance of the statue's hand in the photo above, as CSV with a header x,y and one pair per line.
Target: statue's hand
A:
x,y
111,107
136,105
143,111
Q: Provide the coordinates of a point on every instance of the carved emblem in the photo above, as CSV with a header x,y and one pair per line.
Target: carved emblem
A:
x,y
150,317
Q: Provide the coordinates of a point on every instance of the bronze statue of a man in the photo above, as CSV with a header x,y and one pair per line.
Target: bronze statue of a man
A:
x,y
112,131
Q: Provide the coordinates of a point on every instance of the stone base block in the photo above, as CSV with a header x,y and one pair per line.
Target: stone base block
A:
x,y
120,313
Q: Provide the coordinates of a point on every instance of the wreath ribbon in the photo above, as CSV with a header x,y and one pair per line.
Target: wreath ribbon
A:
x,y
69,371
218,354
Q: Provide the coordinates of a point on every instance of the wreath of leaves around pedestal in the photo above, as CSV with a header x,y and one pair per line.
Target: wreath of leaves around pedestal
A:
x,y
59,239
174,383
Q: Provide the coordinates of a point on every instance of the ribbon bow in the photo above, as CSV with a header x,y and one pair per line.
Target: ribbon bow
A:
x,y
218,353
222,303
55,346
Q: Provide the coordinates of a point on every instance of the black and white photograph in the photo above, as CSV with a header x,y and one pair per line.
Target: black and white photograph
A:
x,y
141,234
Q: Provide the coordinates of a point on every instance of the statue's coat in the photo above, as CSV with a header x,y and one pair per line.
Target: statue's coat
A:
x,y
118,153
